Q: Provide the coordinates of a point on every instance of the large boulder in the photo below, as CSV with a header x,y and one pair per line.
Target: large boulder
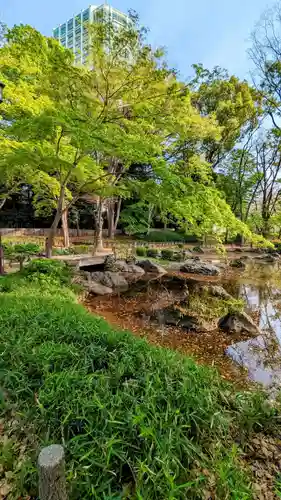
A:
x,y
192,266
151,267
239,322
125,267
177,317
110,279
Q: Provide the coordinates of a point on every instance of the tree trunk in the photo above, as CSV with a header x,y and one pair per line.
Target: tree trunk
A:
x,y
99,226
113,214
78,228
118,210
110,219
53,229
64,220
2,203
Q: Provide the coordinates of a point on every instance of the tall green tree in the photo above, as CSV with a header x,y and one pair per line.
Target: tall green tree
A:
x,y
234,104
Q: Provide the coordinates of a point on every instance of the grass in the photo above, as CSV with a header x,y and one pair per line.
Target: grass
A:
x,y
137,421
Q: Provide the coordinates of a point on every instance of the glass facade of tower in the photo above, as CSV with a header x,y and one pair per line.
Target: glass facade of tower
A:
x,y
74,34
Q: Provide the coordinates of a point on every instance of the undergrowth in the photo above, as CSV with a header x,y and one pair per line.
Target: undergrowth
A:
x,y
136,421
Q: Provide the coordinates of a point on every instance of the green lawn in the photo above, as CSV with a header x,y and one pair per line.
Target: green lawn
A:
x,y
137,422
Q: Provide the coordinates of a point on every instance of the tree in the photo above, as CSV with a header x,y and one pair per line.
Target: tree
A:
x,y
266,55
268,166
76,131
235,105
240,181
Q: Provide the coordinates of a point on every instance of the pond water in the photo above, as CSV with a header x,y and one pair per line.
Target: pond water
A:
x,y
260,287
238,357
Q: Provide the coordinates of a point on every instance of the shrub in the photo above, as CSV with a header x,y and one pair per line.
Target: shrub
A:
x,y
177,256
62,251
77,249
153,252
167,254
164,236
21,252
56,270
141,251
198,250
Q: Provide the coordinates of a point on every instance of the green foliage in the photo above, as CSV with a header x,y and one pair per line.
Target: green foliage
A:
x,y
62,251
117,402
178,256
77,249
21,252
141,251
167,254
163,236
21,249
56,268
152,252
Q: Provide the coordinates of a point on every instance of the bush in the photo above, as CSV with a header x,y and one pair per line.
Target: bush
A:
x,y
198,250
57,270
21,252
77,249
167,254
177,256
62,251
165,236
141,251
153,252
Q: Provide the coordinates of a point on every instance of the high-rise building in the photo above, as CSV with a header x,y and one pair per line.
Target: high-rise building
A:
x,y
74,33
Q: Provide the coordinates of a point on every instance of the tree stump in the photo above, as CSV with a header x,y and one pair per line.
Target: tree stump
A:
x,y
52,483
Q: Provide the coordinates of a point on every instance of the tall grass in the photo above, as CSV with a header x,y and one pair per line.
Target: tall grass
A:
x,y
137,421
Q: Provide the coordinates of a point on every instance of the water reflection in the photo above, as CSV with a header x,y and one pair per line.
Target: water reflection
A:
x,y
260,287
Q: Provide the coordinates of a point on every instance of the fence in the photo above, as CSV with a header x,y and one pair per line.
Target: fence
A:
x,y
44,232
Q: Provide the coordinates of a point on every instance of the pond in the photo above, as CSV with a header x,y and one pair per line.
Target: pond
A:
x,y
260,287
242,358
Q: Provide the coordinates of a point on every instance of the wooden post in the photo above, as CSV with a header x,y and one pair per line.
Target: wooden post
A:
x,y
52,483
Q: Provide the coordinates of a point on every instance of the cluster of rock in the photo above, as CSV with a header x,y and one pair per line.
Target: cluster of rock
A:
x,y
178,313
117,275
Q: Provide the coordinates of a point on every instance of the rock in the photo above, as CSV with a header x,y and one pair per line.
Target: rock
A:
x,y
151,267
239,322
199,267
238,263
176,317
268,258
110,263
238,250
125,267
110,279
218,291
245,257
97,288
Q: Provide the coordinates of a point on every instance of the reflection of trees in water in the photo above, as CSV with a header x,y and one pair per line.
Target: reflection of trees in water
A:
x,y
261,291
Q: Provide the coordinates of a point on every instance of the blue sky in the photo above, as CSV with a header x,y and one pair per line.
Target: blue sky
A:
x,y
213,32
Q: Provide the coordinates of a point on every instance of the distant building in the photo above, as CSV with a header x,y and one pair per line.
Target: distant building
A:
x,y
74,33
